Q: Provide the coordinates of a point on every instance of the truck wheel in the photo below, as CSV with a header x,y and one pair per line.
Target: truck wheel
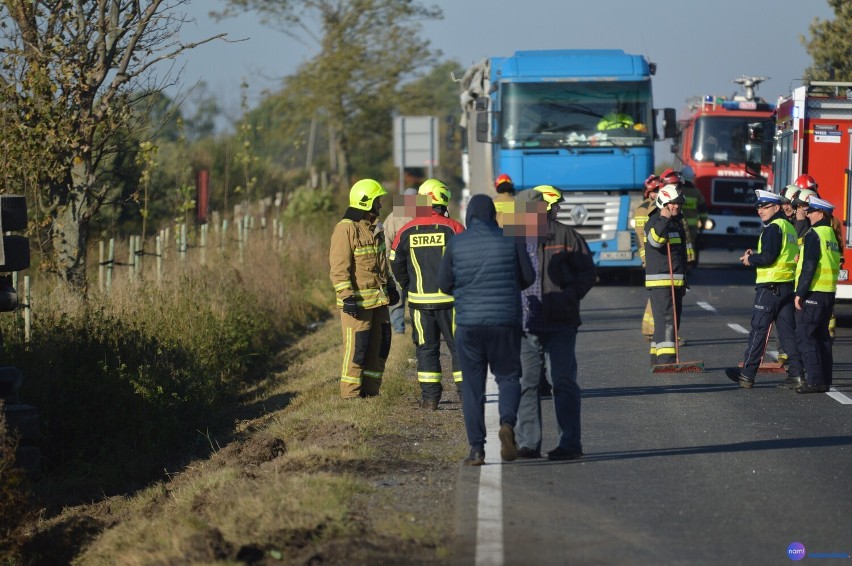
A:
x,y
17,251
13,212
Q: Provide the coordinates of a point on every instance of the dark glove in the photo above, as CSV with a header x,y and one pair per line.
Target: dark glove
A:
x,y
350,306
393,295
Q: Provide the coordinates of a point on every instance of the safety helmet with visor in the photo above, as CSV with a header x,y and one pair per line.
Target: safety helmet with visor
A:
x,y
790,193
501,179
803,196
364,193
551,195
437,190
805,181
669,194
652,185
671,177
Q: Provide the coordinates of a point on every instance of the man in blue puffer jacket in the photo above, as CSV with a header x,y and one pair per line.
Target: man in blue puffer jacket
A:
x,y
485,272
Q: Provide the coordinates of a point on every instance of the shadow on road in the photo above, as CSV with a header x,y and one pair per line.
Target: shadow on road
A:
x,y
750,446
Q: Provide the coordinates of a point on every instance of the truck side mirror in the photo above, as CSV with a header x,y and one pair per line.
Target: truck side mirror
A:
x,y
484,133
753,148
752,164
669,123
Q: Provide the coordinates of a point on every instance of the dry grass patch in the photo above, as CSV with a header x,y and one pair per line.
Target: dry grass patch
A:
x,y
367,481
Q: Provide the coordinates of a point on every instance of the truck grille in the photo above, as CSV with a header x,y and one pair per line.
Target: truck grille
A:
x,y
593,216
736,191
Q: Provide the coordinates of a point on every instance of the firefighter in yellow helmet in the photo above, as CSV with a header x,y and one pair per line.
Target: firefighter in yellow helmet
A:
x,y
416,255
361,279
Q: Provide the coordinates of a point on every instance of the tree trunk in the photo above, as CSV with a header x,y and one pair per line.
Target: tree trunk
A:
x,y
70,230
70,234
341,149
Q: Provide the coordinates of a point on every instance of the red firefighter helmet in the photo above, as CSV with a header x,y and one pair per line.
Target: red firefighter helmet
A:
x,y
671,177
502,178
805,181
652,185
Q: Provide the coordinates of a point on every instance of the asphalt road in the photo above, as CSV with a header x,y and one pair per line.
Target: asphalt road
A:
x,y
680,468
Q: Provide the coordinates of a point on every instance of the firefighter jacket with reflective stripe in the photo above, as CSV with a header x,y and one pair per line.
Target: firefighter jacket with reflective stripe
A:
x,y
819,263
695,211
504,203
359,264
659,231
775,259
416,255
640,218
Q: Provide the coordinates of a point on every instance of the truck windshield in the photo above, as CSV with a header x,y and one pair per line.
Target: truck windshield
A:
x,y
722,139
576,114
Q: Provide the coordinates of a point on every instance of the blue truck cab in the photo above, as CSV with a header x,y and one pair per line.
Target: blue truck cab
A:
x,y
580,120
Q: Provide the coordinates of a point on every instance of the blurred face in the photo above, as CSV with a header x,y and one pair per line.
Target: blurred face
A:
x,y
404,205
674,208
529,221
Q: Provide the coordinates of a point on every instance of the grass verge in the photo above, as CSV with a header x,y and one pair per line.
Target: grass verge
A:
x,y
303,477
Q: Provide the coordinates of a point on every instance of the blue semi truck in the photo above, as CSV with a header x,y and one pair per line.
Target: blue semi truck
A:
x,y
580,120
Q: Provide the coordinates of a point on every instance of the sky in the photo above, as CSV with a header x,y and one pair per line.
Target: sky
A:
x,y
699,46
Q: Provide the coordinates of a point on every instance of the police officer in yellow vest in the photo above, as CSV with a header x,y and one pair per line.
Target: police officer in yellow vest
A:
x,y
816,283
775,260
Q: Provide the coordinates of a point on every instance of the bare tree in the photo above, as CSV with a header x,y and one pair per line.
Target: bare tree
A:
x,y
70,76
367,49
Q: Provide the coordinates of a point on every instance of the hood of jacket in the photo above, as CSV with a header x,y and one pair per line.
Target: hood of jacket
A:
x,y
481,208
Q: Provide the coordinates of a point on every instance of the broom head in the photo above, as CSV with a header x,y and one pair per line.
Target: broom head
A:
x,y
769,367
679,367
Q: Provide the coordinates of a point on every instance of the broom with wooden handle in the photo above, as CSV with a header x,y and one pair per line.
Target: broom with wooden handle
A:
x,y
678,366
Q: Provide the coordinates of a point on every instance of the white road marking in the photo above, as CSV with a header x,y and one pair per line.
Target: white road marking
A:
x,y
839,397
833,393
489,520
706,306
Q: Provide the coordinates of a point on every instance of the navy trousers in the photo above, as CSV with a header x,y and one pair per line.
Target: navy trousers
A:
x,y
813,338
479,347
772,306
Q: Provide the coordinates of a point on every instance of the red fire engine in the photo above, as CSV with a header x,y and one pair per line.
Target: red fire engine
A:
x,y
710,149
812,135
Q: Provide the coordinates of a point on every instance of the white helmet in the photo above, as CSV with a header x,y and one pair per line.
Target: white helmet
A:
x,y
803,196
669,194
790,192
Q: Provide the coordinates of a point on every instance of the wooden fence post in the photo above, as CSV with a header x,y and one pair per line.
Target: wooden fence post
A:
x,y
159,260
203,244
101,266
28,313
110,264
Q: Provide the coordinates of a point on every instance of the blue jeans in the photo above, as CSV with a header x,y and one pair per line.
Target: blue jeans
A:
x,y
397,312
477,348
556,350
